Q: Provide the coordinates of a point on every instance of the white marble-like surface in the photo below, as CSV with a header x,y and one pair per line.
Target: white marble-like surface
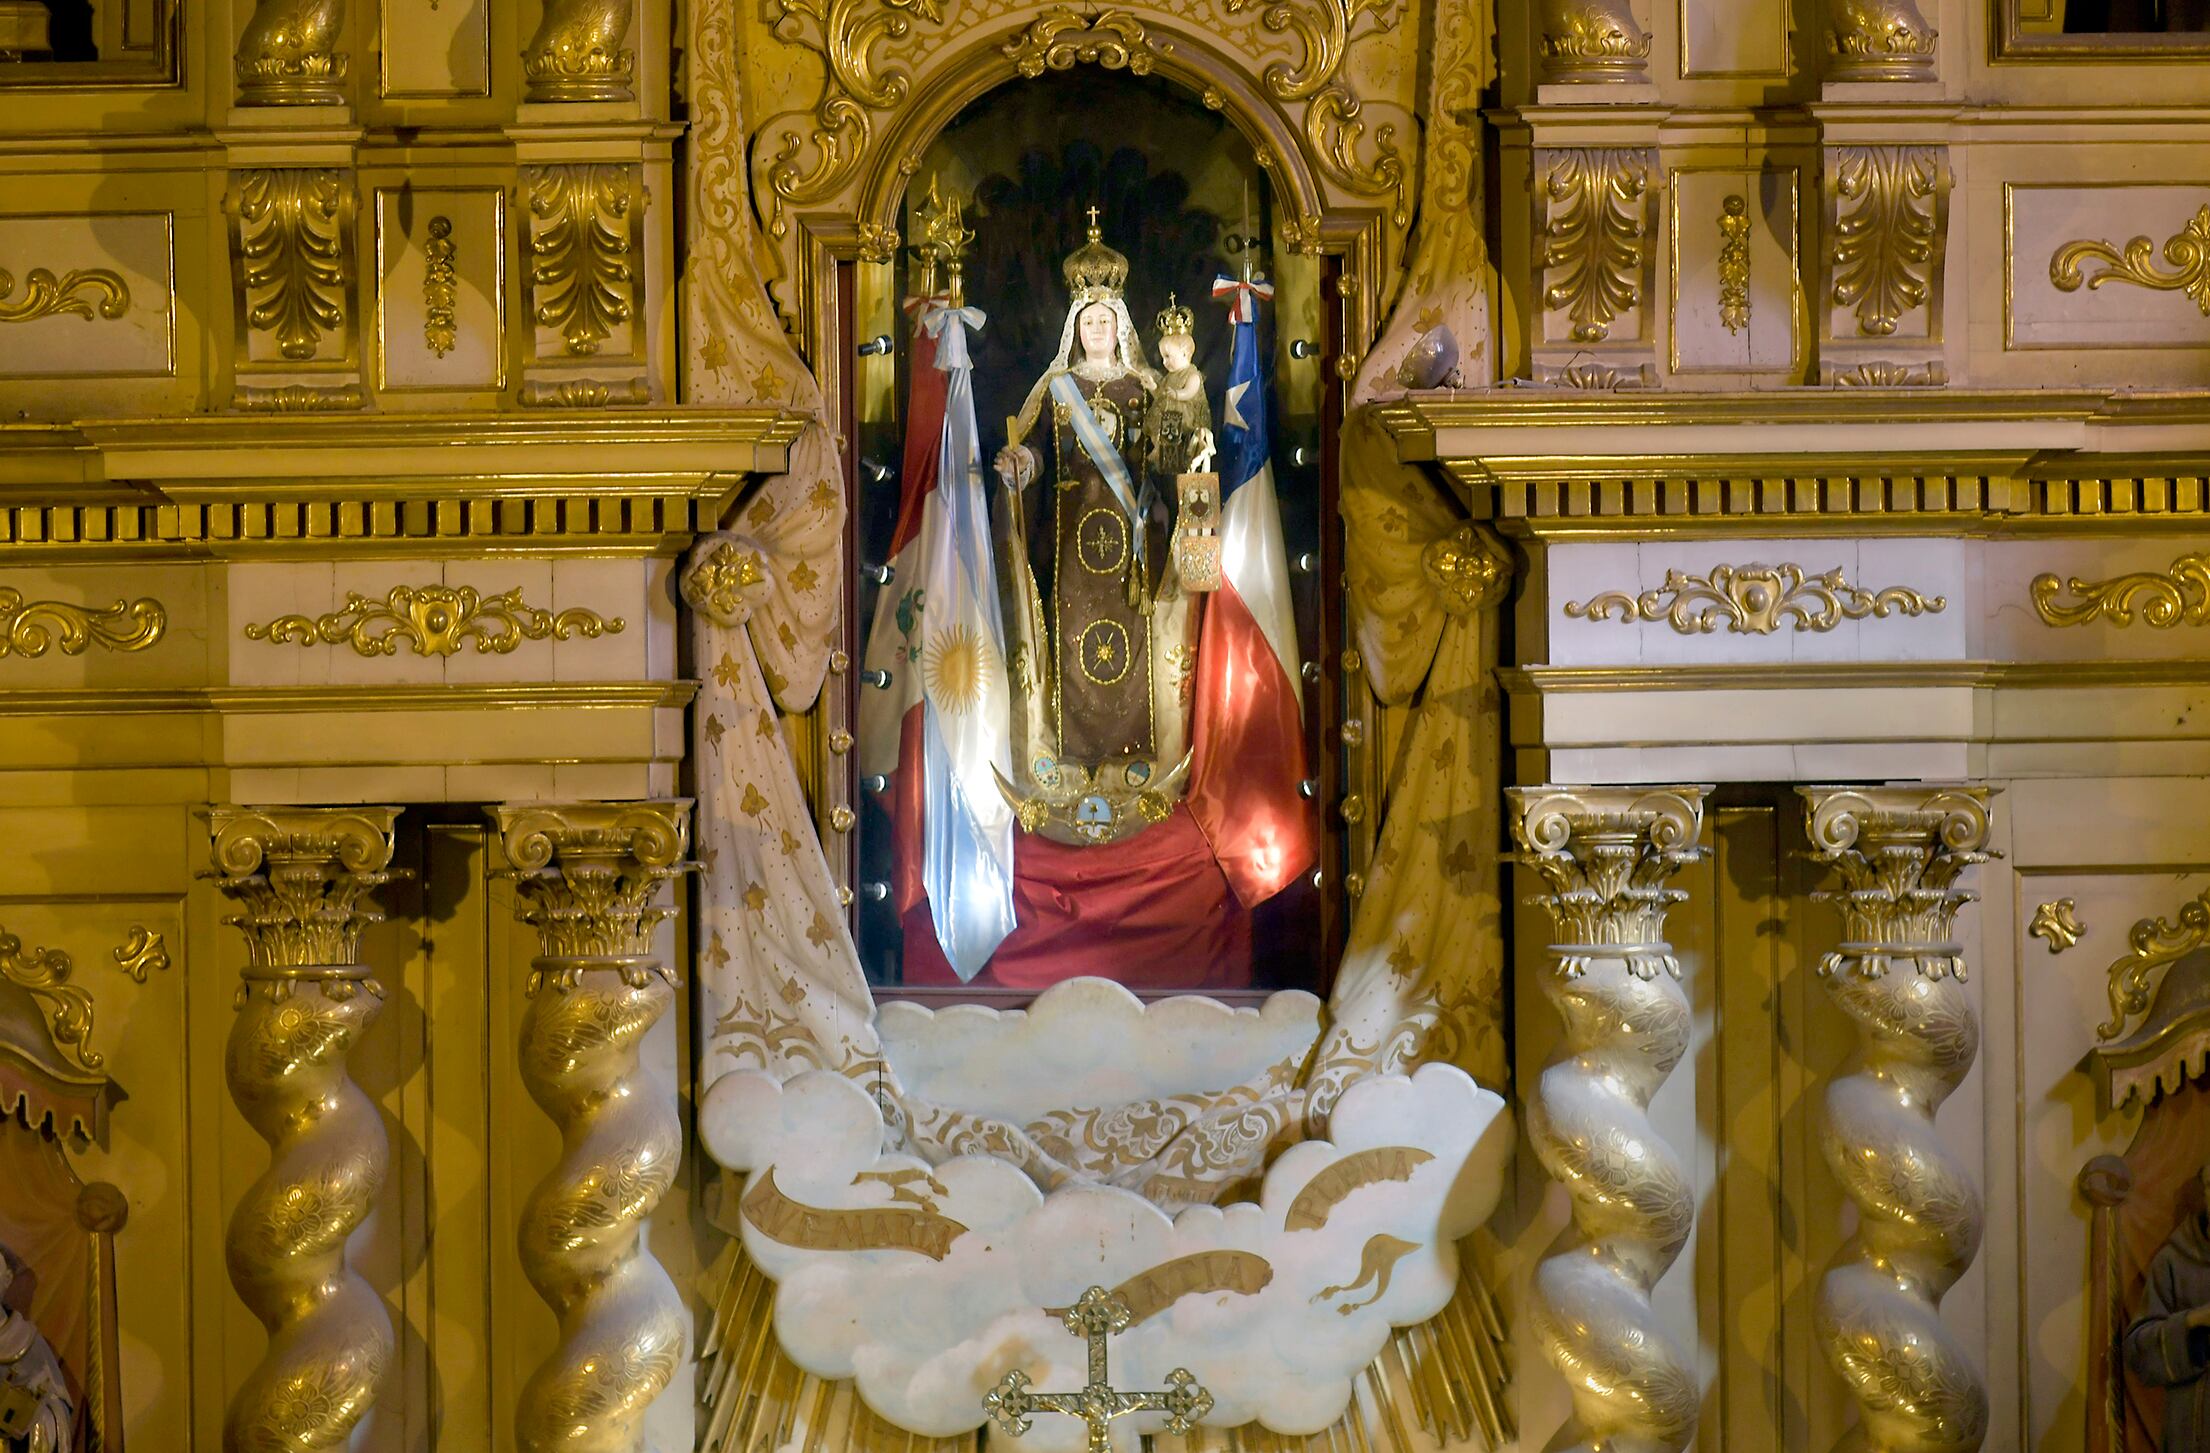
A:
x,y
1088,1043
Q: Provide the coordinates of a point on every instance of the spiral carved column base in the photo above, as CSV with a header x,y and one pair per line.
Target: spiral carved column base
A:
x,y
587,875
300,877
1898,973
1608,855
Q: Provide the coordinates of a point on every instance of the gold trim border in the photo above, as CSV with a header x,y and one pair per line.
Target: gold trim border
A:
x,y
431,696
1851,675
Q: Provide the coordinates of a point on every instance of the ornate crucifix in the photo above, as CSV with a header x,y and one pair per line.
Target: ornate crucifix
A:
x,y
1097,1316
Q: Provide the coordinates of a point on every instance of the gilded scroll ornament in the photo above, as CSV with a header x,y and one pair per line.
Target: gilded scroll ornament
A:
x,y
1896,972
583,283
1593,40
31,627
2187,250
292,225
847,34
1059,39
586,877
301,878
438,294
44,974
2057,923
1608,856
2162,598
1734,263
1754,600
577,52
435,620
145,949
1887,205
2153,943
1879,40
288,55
1592,231
72,293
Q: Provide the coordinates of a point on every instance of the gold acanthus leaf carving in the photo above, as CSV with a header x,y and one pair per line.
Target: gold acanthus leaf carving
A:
x,y
1879,40
1887,230
31,627
846,34
577,53
2163,599
48,296
2057,923
1734,263
433,620
2187,250
1593,40
44,974
292,256
1056,41
1754,599
1884,373
2153,943
144,949
437,288
1333,127
288,55
1592,232
581,277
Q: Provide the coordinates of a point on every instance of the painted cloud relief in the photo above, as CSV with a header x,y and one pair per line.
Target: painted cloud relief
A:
x,y
928,1284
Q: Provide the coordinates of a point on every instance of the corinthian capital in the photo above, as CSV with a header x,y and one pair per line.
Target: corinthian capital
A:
x,y
588,873
301,877
1609,854
1899,852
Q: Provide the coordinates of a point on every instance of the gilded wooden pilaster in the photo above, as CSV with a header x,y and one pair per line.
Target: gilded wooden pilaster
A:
x,y
1898,972
1608,855
301,877
587,875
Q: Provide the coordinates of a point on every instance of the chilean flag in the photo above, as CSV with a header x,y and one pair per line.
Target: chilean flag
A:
x,y
1248,725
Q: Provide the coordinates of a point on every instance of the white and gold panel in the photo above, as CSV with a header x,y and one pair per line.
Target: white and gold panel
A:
x,y
88,295
2106,267
441,309
1732,246
433,50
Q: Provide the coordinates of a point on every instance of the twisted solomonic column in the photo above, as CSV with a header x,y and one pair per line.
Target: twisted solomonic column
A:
x,y
1899,972
587,874
300,877
1607,854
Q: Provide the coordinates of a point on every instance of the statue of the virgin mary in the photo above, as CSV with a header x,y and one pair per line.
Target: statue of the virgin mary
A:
x,y
1101,633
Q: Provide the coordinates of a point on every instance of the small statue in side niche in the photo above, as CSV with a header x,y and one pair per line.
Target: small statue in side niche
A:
x,y
2167,1344
37,1413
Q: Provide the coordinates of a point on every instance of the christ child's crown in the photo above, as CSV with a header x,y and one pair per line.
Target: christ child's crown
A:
x,y
1174,319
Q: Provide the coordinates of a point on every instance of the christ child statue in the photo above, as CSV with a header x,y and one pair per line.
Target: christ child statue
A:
x,y
1181,419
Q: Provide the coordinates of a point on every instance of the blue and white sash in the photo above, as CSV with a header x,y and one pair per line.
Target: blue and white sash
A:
x,y
1091,434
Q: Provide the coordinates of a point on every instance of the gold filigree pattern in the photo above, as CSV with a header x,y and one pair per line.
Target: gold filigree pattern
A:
x,y
48,296
2187,250
1755,599
1887,210
434,620
44,974
300,877
1060,39
581,234
2057,924
1593,40
2162,599
1592,228
577,52
1879,40
288,55
438,293
1608,856
145,949
292,249
1734,263
2153,943
1899,852
585,877
847,34
32,627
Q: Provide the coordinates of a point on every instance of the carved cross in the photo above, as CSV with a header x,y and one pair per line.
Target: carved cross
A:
x,y
1096,1317
1093,218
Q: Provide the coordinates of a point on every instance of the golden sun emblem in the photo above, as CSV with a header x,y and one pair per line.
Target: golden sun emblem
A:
x,y
956,668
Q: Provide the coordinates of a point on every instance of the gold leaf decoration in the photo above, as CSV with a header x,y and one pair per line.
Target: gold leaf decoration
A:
x,y
145,949
845,33
438,323
31,627
292,225
2153,943
1593,40
2187,250
1754,599
2162,599
579,240
577,53
48,296
1884,373
44,972
1887,230
288,55
1059,39
1592,234
2057,923
1879,40
433,620
1734,263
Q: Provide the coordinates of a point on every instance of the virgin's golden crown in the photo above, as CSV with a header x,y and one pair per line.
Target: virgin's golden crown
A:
x,y
1174,318
1095,273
